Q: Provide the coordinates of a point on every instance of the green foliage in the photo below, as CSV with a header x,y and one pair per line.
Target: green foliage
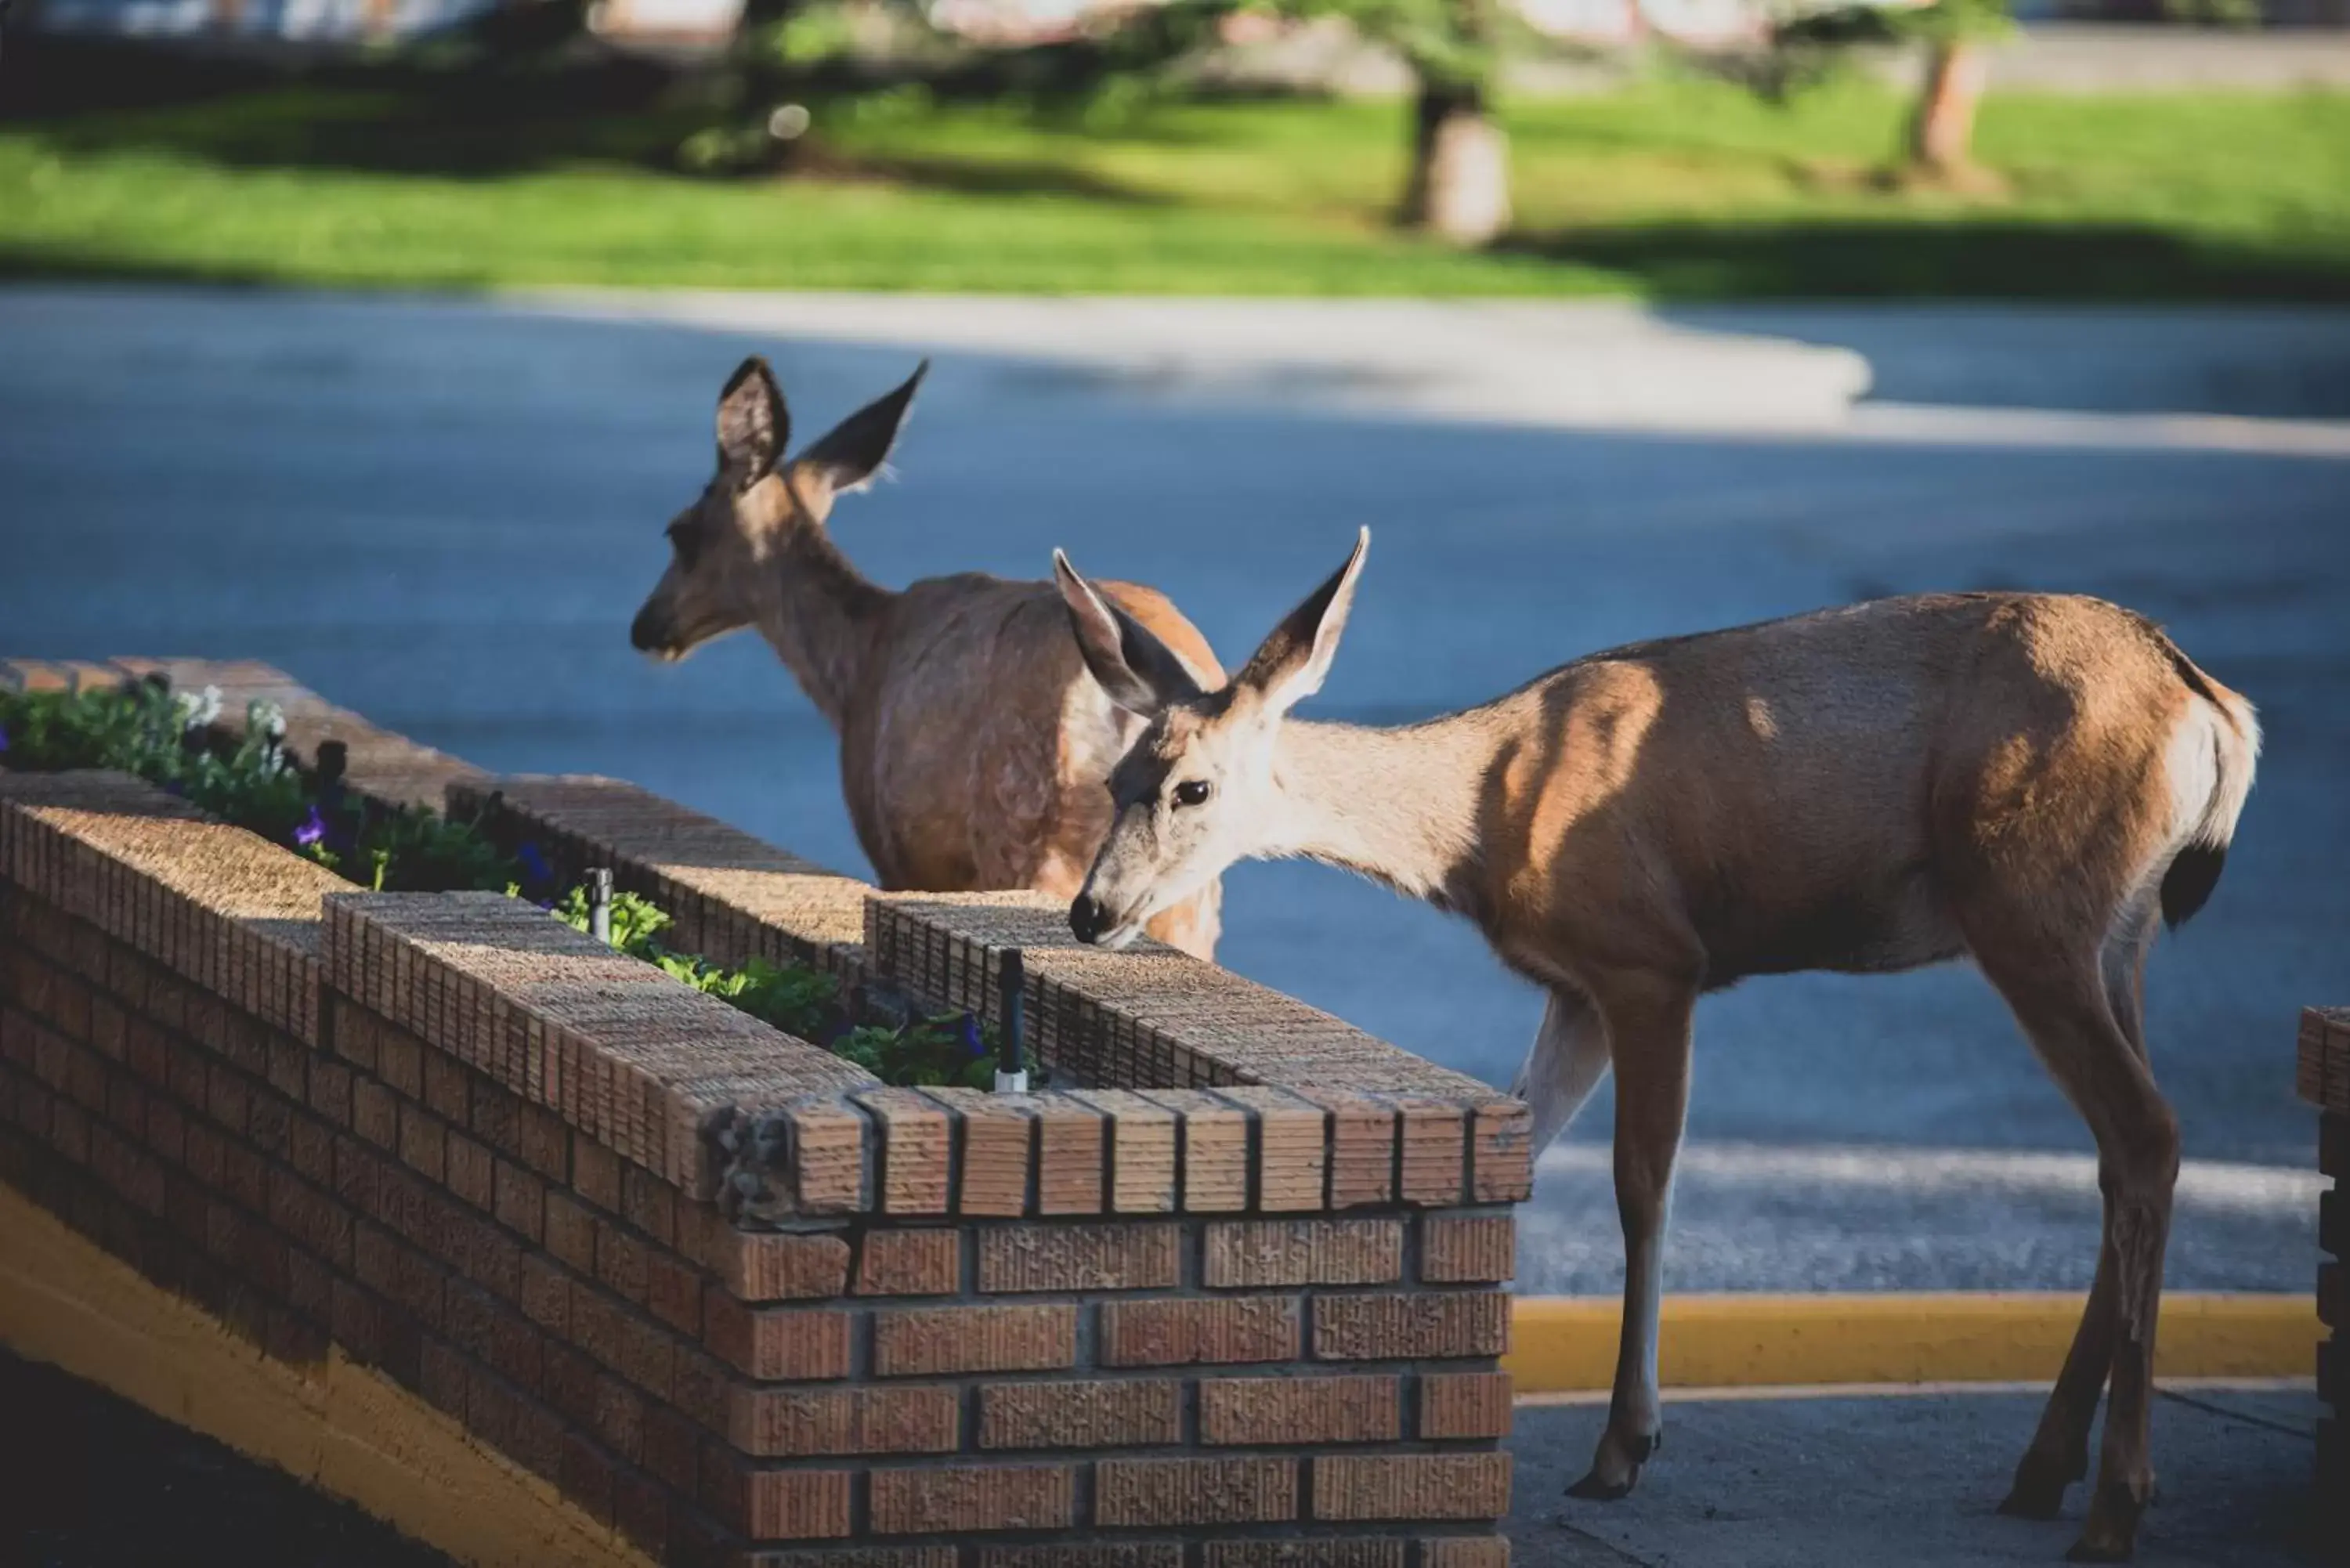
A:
x,y
170,741
1671,187
1810,49
950,1049
1449,44
928,1053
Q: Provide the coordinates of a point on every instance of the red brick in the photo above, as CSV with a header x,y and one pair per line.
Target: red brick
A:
x,y
1176,1333
1434,1162
1468,1249
776,1505
545,1295
1068,1156
926,1263
596,1173
519,1200
828,1155
1411,1486
998,1143
673,1449
765,1267
1267,1412
1303,1252
858,1557
545,1142
469,1171
778,1344
586,1478
1466,1552
640,1511
1501,1166
1104,1415
400,1062
673,1292
647,1203
799,1422
1141,1151
1408,1327
937,1341
1156,1493
950,1499
915,1150
571,1232
622,1262
1464,1405
375,1113
1093,1554
1014,1258
1327,1552
1292,1149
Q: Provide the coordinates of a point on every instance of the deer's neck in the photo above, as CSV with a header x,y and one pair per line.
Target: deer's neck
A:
x,y
1399,807
822,616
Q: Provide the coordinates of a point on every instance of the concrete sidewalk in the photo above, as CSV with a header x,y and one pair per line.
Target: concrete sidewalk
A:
x,y
1912,1477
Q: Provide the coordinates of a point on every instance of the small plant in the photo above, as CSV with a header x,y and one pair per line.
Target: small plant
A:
x,y
173,742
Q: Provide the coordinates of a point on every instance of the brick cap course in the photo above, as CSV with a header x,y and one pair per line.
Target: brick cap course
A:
x,y
227,909
617,1048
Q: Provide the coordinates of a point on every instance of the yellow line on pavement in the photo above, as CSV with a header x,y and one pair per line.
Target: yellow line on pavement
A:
x,y
1562,1345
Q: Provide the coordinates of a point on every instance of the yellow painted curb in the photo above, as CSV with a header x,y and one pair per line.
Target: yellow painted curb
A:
x,y
337,1425
1567,1344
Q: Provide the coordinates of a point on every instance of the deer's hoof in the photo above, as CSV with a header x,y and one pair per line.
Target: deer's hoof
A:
x,y
2041,1497
1616,1468
2039,1488
2110,1532
1596,1487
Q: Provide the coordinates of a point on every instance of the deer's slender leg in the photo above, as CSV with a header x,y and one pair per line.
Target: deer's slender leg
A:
x,y
1565,1062
1648,1032
2064,1008
2059,1454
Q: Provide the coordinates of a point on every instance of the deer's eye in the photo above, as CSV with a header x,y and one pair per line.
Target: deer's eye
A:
x,y
1191,792
686,542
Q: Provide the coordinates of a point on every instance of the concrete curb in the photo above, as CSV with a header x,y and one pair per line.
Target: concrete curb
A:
x,y
1577,364
1567,1344
334,1425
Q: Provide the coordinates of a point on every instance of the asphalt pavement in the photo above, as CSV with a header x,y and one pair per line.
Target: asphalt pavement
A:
x,y
443,513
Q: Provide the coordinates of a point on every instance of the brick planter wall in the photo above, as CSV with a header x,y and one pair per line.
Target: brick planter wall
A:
x,y
2323,1079
1236,1301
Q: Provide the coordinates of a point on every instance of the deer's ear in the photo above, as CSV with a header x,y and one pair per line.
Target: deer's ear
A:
x,y
853,452
753,423
1288,666
1134,667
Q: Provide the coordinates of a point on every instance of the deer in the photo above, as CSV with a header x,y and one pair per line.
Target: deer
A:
x,y
2030,780
974,745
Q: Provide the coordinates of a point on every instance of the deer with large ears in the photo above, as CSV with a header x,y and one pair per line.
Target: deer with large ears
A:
x,y
2030,780
972,742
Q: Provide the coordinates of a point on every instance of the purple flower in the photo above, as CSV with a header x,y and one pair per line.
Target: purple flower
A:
x,y
533,862
313,829
968,1033
4,740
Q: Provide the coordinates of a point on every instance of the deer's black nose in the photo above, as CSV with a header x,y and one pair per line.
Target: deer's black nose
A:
x,y
1086,918
646,633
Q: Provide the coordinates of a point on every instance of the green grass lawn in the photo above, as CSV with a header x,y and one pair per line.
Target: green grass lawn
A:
x,y
1672,189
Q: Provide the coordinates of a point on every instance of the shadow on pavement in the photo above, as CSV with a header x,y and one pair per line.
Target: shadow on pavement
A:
x,y
91,1480
1906,1477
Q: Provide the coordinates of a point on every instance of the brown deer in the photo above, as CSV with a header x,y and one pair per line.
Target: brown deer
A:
x,y
972,743
2028,780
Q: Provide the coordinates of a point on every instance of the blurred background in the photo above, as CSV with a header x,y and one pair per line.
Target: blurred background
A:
x,y
378,339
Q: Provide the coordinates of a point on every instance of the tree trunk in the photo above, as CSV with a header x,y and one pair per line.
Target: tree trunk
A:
x,y
1941,137
1460,185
